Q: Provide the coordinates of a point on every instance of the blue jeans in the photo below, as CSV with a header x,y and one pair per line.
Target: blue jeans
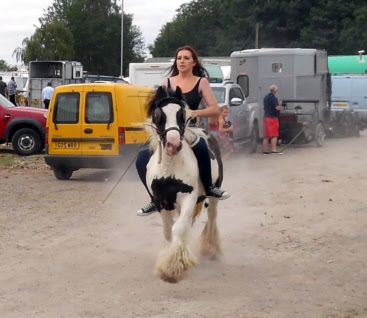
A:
x,y
201,153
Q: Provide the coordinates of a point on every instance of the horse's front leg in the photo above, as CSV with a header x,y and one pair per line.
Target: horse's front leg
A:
x,y
178,257
167,219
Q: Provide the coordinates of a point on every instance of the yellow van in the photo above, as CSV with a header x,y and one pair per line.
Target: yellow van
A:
x,y
93,125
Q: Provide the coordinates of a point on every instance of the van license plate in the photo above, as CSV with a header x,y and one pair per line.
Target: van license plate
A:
x,y
66,145
340,105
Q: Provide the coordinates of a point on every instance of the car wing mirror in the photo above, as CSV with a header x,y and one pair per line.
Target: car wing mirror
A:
x,y
235,101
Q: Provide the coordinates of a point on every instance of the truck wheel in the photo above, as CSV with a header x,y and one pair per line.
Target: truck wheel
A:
x,y
26,142
254,138
62,173
319,134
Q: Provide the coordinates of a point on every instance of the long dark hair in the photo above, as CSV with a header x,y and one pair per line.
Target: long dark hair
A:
x,y
198,69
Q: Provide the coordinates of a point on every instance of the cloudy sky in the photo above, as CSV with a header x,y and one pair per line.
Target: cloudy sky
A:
x,y
18,19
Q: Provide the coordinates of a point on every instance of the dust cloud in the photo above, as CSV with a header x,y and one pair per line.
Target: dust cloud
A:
x,y
293,239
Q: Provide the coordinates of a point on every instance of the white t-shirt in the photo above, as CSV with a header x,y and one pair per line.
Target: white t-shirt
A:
x,y
47,92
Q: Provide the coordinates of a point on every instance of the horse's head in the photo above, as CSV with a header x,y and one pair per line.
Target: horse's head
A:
x,y
168,113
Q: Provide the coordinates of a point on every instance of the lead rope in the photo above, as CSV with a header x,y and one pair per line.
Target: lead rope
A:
x,y
126,170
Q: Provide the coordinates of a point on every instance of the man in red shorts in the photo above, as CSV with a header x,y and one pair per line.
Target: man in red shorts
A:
x,y
272,109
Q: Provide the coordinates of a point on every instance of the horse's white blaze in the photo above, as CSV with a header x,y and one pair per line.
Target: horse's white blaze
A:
x,y
173,136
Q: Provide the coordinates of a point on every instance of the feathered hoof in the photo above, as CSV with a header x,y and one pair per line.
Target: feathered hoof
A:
x,y
173,264
210,251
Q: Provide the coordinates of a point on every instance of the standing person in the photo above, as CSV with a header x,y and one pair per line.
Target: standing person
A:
x,y
272,109
12,90
225,133
3,87
47,94
188,74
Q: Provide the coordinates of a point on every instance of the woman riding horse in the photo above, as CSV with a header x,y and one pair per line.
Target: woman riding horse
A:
x,y
188,74
173,180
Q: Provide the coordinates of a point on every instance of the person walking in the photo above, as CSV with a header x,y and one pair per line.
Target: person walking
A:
x,y
47,94
272,109
188,74
12,90
3,87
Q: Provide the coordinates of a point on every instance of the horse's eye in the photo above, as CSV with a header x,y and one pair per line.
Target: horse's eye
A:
x,y
157,114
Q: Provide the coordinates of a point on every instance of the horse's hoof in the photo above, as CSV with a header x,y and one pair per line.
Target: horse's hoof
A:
x,y
210,252
167,279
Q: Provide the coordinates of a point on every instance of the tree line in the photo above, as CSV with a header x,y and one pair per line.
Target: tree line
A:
x,y
89,31
219,27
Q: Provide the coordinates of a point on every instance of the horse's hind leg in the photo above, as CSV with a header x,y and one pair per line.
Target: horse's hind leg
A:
x,y
210,240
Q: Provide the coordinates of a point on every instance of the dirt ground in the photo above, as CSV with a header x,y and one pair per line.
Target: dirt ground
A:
x,y
293,235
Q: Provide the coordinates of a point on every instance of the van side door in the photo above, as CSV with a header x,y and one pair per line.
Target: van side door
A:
x,y
64,127
99,129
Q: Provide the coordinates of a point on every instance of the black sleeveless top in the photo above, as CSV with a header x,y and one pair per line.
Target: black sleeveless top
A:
x,y
192,97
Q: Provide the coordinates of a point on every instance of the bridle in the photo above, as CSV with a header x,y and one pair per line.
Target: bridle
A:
x,y
157,115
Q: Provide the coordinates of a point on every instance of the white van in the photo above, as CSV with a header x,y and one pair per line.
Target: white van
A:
x,y
350,92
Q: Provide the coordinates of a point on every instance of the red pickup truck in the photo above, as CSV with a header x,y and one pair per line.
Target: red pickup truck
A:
x,y
24,127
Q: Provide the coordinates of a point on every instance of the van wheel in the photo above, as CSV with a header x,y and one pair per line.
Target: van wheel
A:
x,y
254,138
62,173
319,135
26,142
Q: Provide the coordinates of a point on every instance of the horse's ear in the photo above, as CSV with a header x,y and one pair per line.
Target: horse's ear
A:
x,y
178,93
161,92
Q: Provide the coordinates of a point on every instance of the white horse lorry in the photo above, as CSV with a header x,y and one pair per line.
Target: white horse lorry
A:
x,y
303,80
153,74
56,72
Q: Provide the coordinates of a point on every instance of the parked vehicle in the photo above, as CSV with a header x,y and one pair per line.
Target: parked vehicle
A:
x,y
244,117
348,64
94,125
24,127
349,92
103,78
148,74
153,74
302,79
56,72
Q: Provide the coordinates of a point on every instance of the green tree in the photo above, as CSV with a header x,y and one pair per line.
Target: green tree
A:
x,y
3,66
52,41
88,31
219,27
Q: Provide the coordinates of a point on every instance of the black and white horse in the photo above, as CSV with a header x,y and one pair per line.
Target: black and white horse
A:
x,y
173,179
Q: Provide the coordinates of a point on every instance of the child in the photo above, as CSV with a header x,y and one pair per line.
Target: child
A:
x,y
225,133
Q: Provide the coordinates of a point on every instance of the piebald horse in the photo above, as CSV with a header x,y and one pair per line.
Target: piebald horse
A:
x,y
173,180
